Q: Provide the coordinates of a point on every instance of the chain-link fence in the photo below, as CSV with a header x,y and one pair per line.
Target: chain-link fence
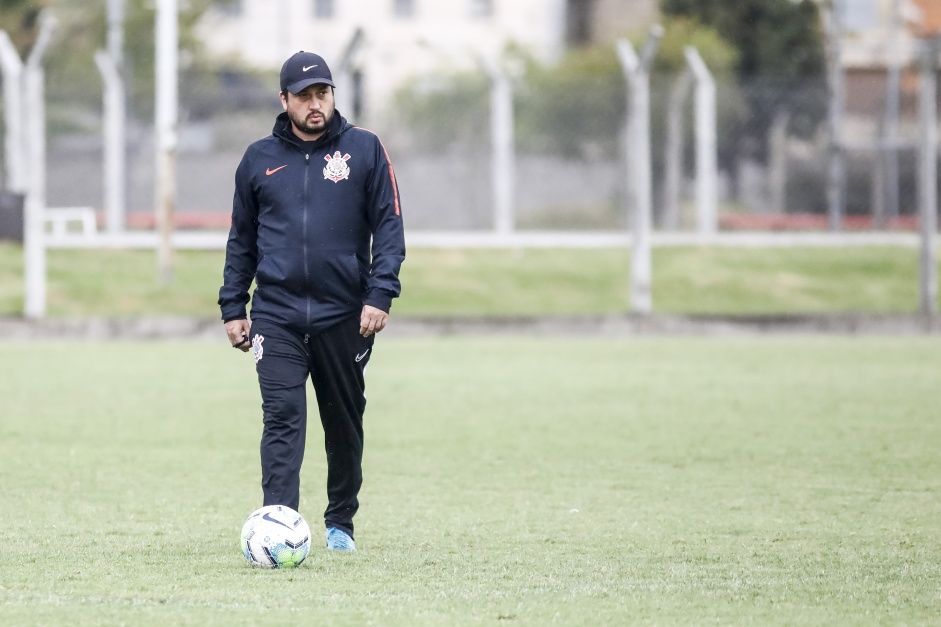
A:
x,y
568,170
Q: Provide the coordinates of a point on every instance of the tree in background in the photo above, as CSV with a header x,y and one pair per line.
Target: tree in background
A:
x,y
781,54
444,111
781,76
573,107
589,122
71,73
20,19
780,38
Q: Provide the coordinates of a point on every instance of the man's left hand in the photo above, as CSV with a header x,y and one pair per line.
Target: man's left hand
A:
x,y
372,320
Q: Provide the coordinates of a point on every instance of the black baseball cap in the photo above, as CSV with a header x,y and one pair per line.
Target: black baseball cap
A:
x,y
304,69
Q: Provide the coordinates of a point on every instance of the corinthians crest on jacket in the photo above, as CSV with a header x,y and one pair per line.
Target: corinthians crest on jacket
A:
x,y
336,169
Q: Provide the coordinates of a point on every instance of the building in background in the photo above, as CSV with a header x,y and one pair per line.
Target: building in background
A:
x,y
927,18
874,29
376,45
879,36
880,47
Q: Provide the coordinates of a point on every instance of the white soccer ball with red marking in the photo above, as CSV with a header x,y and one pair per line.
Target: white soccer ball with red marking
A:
x,y
275,536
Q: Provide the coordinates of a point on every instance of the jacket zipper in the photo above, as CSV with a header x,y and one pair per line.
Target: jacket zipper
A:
x,y
306,262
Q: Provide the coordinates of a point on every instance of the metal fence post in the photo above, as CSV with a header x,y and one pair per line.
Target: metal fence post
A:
x,y
639,174
111,67
777,161
14,152
889,158
673,165
707,145
34,236
115,43
928,186
346,98
836,187
115,170
503,146
167,34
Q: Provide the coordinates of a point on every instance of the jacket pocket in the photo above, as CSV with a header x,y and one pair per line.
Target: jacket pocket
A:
x,y
336,278
282,267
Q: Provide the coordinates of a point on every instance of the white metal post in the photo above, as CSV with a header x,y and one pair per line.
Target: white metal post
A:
x,y
167,34
707,159
111,66
836,186
777,161
890,156
116,32
34,244
673,164
343,76
503,147
636,71
928,186
14,152
115,171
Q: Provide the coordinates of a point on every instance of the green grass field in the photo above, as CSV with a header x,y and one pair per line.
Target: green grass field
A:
x,y
510,481
686,280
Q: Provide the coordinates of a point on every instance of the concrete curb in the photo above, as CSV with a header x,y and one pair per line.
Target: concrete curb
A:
x,y
659,324
170,328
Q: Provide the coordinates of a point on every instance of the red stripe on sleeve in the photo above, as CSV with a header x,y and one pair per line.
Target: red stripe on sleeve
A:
x,y
395,187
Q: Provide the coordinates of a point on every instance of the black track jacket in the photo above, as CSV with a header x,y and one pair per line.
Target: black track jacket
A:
x,y
302,219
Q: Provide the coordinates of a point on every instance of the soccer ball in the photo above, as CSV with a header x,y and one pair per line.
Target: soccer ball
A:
x,y
275,536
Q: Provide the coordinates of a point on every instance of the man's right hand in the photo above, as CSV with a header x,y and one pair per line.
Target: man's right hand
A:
x,y
238,330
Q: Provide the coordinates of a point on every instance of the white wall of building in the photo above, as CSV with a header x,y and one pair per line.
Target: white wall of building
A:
x,y
878,32
439,34
617,18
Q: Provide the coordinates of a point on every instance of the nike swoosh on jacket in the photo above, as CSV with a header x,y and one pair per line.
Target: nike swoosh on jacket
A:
x,y
317,249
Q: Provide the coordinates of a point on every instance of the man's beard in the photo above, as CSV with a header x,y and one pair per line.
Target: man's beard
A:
x,y
301,124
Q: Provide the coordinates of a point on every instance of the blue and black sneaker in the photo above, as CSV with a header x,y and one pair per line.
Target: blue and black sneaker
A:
x,y
339,540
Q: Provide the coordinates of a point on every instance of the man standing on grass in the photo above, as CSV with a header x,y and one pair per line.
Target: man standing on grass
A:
x,y
316,224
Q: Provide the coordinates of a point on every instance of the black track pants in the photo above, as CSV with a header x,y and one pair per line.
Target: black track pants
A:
x,y
335,361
